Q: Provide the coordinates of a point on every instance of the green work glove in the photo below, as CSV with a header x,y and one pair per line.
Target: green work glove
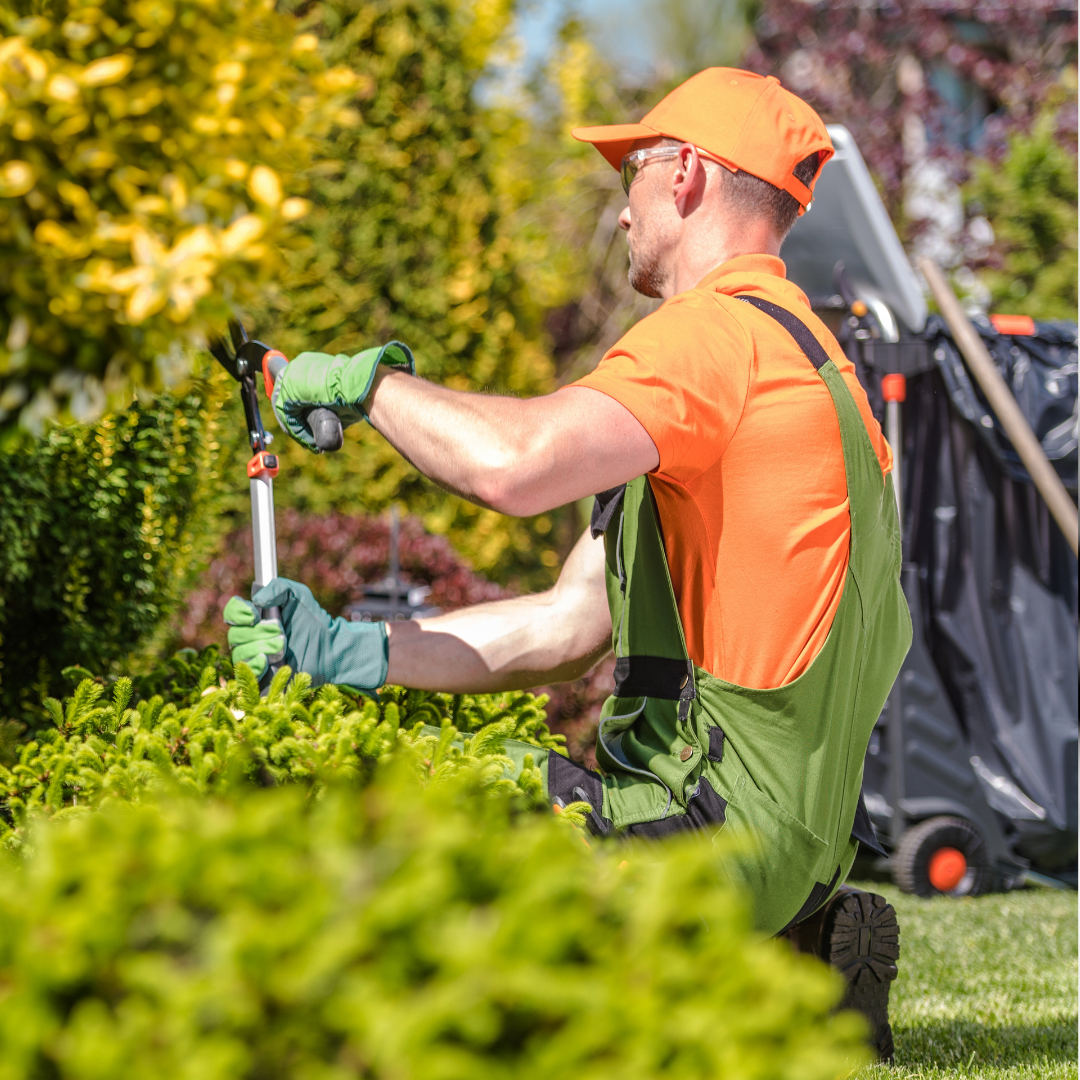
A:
x,y
329,650
339,383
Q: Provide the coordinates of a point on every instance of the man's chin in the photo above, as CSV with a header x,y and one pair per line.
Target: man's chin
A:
x,y
646,280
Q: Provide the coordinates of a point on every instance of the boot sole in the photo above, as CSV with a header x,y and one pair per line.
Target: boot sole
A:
x,y
862,941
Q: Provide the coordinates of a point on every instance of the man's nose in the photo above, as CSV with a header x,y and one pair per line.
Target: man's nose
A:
x,y
624,218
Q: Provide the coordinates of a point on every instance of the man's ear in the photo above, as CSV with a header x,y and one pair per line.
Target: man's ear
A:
x,y
688,181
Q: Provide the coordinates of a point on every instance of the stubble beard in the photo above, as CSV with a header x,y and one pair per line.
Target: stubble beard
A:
x,y
647,275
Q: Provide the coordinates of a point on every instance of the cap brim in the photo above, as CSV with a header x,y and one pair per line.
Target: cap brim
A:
x,y
614,141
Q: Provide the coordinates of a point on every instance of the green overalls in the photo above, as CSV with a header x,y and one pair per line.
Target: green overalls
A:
x,y
782,768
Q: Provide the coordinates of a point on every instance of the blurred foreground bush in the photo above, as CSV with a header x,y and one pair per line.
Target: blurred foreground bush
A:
x,y
101,531
199,882
387,933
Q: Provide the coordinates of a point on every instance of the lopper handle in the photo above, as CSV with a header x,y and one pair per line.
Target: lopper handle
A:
x,y
272,662
325,424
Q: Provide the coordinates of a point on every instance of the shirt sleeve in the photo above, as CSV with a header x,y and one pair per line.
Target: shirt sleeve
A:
x,y
683,372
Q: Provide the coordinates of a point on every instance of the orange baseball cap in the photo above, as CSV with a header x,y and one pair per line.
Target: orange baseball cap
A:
x,y
745,121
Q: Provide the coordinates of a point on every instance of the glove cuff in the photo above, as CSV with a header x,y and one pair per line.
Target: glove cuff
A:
x,y
395,354
364,654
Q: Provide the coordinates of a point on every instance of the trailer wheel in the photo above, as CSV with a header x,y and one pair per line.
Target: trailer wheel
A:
x,y
943,856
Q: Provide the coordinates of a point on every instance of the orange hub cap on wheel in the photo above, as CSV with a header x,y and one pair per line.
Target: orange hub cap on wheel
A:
x,y
947,868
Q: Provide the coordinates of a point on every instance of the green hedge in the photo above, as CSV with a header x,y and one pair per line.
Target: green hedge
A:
x,y
101,530
199,882
393,933
217,735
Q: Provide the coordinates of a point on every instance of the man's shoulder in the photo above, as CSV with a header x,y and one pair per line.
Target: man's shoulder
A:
x,y
784,294
724,306
697,320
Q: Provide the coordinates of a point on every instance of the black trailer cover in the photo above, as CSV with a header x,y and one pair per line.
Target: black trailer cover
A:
x,y
997,581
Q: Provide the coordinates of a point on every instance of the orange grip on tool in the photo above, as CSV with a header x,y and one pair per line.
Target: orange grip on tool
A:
x,y
262,462
269,368
325,424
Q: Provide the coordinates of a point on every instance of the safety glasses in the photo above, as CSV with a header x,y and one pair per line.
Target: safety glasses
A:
x,y
633,162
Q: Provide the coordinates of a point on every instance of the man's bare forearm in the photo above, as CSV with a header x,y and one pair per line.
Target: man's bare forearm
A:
x,y
510,644
506,645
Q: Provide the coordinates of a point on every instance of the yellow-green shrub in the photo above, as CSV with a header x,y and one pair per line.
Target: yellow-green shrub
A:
x,y
396,905
151,154
217,736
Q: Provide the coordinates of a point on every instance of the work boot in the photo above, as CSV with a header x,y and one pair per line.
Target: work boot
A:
x,y
856,932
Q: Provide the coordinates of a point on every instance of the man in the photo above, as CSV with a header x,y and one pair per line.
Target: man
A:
x,y
744,555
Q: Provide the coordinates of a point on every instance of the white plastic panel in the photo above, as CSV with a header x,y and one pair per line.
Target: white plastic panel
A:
x,y
848,223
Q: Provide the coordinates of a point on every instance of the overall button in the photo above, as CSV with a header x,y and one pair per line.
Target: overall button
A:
x,y
686,753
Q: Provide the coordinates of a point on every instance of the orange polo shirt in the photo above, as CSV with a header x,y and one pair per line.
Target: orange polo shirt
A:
x,y
751,486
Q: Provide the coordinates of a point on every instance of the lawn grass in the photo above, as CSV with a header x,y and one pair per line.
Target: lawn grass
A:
x,y
987,987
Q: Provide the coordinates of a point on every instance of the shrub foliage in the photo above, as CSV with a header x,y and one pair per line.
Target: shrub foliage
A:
x,y
225,735
101,530
393,932
387,936
1030,200
199,881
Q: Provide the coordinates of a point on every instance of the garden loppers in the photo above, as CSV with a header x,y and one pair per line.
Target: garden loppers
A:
x,y
242,360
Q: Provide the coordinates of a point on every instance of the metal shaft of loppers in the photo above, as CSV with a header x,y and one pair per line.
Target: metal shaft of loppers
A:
x,y
328,436
263,533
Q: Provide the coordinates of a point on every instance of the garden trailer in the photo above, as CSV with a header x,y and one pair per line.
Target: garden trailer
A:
x,y
971,772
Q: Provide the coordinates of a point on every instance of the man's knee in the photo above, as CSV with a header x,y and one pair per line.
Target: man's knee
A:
x,y
704,809
570,782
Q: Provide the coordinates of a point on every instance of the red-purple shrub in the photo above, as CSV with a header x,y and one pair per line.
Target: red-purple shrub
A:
x,y
335,556
574,709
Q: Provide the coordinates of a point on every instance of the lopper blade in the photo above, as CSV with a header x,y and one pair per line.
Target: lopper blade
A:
x,y
221,352
238,334
226,354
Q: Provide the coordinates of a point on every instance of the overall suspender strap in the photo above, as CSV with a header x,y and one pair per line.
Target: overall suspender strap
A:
x,y
651,660
811,347
871,556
